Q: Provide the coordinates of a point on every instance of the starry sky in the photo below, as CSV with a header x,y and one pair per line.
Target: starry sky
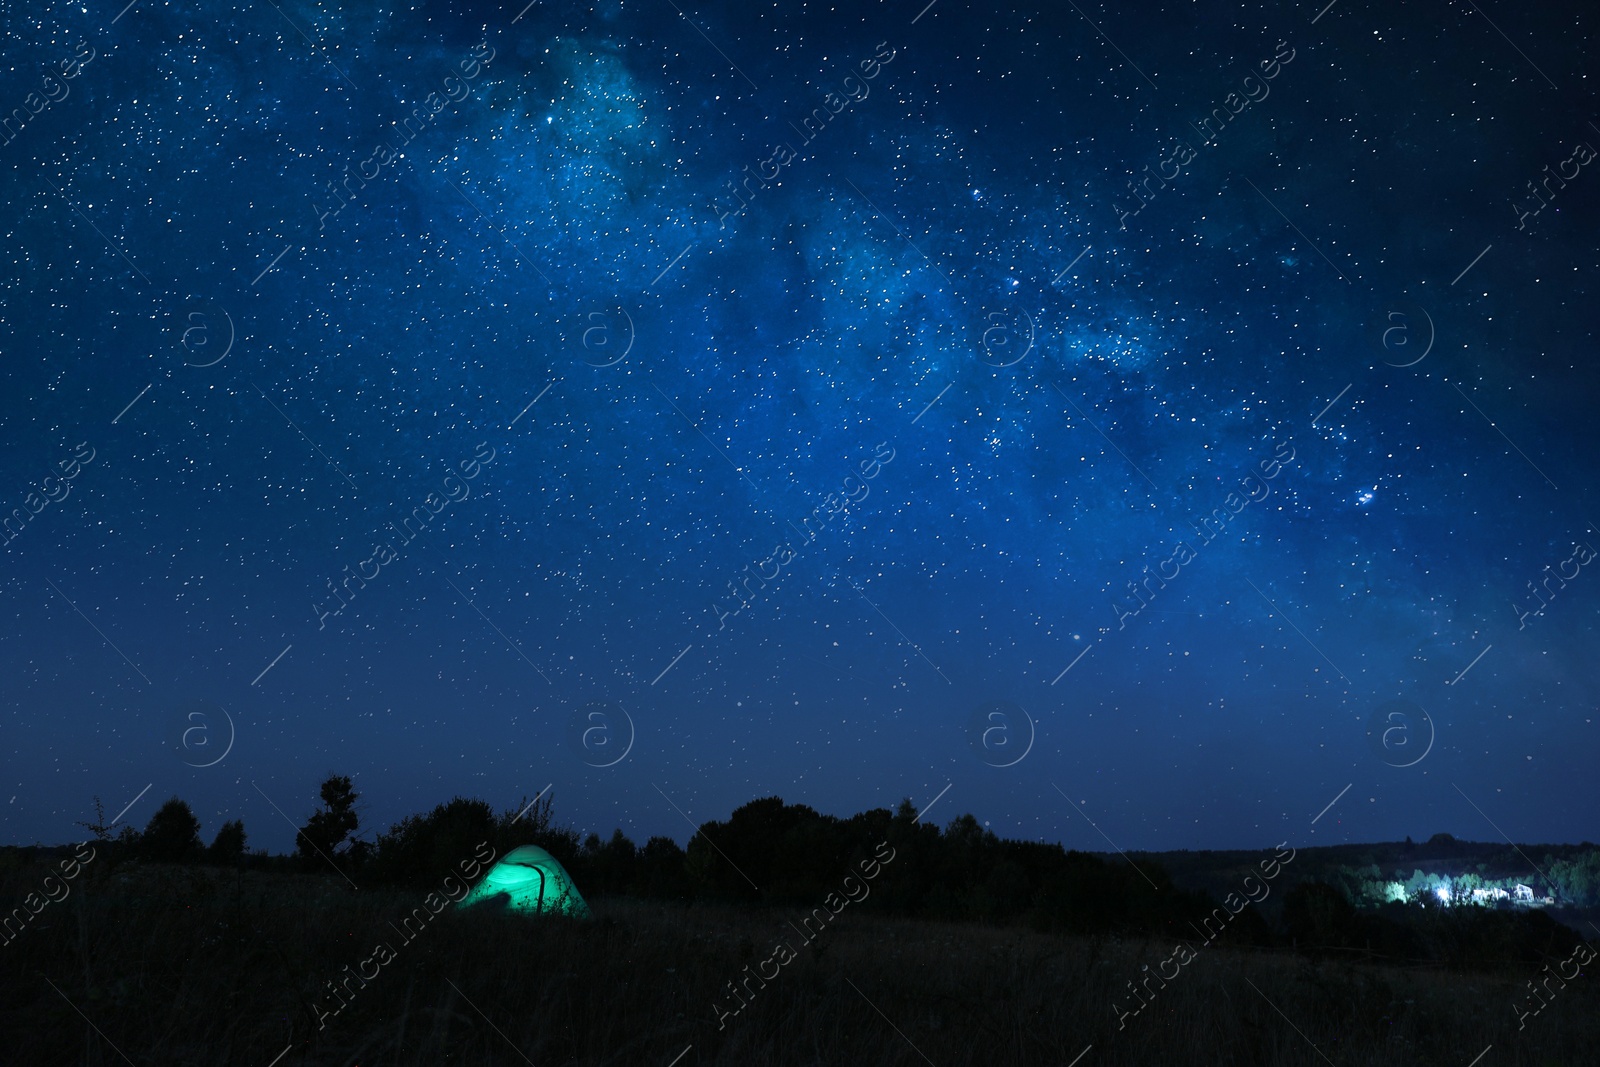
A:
x,y
1143,426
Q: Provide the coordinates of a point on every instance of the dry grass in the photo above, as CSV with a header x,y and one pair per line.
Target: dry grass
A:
x,y
182,967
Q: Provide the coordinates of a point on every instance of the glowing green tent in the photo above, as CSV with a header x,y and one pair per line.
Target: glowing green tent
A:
x,y
529,879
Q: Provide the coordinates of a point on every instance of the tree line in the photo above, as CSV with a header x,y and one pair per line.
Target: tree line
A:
x,y
767,852
771,853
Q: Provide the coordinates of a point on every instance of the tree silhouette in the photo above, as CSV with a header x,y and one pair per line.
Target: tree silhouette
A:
x,y
99,828
172,835
228,846
331,825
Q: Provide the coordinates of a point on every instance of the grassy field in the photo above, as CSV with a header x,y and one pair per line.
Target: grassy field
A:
x,y
180,966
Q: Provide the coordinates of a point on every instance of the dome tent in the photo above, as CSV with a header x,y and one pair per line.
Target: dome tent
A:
x,y
529,879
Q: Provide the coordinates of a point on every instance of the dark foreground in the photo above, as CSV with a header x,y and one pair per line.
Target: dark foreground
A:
x,y
193,966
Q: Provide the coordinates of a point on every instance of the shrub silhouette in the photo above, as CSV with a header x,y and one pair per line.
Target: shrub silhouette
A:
x,y
1318,917
422,848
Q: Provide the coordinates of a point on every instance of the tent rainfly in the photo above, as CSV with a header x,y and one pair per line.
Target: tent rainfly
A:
x,y
529,879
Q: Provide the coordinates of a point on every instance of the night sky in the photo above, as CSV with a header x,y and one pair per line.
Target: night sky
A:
x,y
1140,426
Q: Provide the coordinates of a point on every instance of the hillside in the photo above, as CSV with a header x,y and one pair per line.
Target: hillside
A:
x,y
1442,870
